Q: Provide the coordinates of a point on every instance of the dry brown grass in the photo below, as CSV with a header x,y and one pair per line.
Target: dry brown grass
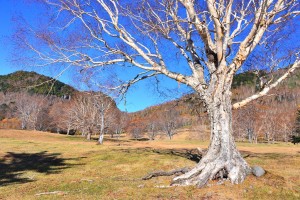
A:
x,y
46,162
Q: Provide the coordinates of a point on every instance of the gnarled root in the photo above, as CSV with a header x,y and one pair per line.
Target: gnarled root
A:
x,y
235,169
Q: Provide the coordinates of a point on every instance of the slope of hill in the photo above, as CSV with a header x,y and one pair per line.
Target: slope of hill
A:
x,y
187,111
34,83
191,111
29,100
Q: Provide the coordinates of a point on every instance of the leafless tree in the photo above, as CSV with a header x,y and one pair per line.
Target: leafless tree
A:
x,y
90,114
68,119
152,129
103,104
62,115
244,126
278,121
85,115
169,122
28,108
43,120
213,39
118,123
136,132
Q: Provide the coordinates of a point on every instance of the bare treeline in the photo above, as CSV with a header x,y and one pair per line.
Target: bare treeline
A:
x,y
270,119
162,123
86,114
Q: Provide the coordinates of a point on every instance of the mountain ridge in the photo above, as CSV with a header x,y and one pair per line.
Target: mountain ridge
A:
x,y
34,83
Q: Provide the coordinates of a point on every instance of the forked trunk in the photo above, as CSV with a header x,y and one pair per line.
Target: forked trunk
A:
x,y
222,159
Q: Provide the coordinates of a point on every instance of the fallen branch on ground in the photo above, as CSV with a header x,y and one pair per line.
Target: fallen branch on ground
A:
x,y
191,154
164,173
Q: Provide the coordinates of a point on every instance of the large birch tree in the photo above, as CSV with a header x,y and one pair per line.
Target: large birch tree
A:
x,y
212,39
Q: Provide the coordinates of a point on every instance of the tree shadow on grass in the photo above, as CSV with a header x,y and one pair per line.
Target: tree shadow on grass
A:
x,y
190,154
14,165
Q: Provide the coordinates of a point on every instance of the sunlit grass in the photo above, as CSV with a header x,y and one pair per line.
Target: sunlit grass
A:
x,y
113,171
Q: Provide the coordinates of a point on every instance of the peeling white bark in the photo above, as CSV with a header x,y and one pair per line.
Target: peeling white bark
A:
x,y
222,158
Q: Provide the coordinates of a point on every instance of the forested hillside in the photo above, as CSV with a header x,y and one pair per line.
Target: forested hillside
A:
x,y
32,101
35,102
269,118
34,83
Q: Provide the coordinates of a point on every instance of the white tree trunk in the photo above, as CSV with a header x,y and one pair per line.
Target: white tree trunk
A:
x,y
100,140
222,159
68,130
101,136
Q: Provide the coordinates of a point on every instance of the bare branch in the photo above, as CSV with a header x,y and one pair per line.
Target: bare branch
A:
x,y
267,88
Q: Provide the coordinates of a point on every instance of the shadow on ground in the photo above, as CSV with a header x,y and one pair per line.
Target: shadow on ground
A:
x,y
191,154
196,155
13,166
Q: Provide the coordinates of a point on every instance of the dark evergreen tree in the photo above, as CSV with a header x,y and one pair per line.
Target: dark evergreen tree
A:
x,y
297,125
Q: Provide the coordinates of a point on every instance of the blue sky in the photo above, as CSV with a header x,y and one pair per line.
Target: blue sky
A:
x,y
139,97
5,31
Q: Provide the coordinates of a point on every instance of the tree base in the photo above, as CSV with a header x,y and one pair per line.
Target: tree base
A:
x,y
211,167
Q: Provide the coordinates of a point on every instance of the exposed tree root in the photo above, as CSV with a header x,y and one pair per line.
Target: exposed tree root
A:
x,y
164,173
211,168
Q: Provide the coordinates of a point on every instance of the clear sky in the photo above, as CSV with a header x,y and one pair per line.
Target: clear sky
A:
x,y
142,95
139,97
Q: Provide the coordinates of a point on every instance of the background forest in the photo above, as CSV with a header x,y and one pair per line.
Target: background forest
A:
x,y
35,102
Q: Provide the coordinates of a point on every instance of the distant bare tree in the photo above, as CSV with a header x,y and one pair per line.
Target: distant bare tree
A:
x,y
43,119
152,129
62,116
136,133
90,113
28,107
169,122
103,103
119,122
85,115
67,118
244,123
270,127
277,121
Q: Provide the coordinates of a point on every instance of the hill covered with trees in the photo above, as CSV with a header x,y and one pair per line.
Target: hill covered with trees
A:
x,y
271,118
32,101
34,83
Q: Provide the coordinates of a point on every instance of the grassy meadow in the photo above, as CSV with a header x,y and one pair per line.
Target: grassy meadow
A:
x,y
38,165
